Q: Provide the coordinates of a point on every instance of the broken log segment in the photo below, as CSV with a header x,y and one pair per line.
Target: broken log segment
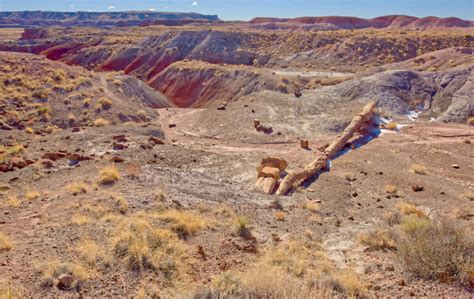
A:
x,y
269,172
297,177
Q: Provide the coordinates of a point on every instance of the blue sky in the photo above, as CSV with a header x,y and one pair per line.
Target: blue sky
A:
x,y
247,9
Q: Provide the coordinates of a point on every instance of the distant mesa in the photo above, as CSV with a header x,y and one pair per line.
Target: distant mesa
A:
x,y
98,19
394,21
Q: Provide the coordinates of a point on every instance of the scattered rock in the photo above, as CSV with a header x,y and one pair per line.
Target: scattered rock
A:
x,y
456,166
417,188
155,140
304,144
65,281
54,156
119,146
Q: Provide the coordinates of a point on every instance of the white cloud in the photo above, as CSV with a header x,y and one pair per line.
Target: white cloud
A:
x,y
151,9
111,7
195,3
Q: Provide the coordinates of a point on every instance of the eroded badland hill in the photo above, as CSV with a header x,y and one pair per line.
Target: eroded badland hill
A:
x,y
146,161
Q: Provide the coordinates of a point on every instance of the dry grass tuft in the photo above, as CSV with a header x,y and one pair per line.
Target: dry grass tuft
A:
x,y
32,195
91,252
143,246
470,121
79,219
438,249
100,122
312,206
410,209
280,215
292,269
390,189
13,202
52,270
78,188
9,290
391,126
5,242
418,169
104,103
184,223
122,204
159,195
109,175
378,240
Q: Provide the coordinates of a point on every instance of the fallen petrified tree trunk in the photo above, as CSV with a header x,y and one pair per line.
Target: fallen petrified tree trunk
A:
x,y
297,177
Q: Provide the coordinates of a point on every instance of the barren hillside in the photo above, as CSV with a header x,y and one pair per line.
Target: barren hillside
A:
x,y
144,162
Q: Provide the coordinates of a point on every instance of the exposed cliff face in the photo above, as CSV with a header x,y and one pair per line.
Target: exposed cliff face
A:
x,y
95,19
199,84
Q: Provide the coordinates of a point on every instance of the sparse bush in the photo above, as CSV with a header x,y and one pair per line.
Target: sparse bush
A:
x,y
418,169
109,175
5,242
438,249
100,122
379,239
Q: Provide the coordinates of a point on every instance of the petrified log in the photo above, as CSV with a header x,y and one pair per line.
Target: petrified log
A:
x,y
269,172
297,177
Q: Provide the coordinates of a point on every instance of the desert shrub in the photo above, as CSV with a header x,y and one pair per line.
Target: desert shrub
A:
x,y
109,175
436,249
379,239
5,242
